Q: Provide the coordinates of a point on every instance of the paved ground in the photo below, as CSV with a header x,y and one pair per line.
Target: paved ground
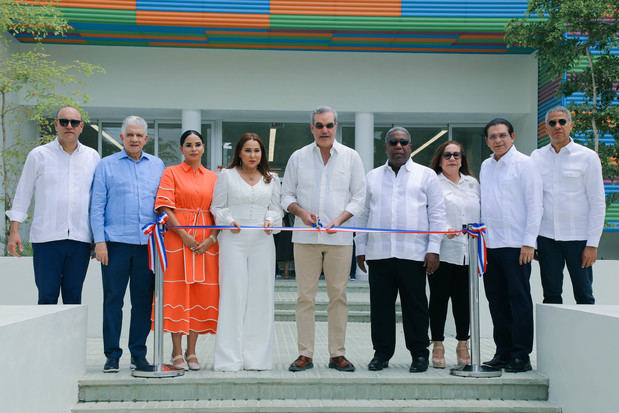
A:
x,y
359,351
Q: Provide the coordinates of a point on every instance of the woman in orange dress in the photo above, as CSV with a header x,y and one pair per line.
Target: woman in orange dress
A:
x,y
191,288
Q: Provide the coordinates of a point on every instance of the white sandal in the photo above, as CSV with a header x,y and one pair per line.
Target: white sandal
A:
x,y
178,362
193,365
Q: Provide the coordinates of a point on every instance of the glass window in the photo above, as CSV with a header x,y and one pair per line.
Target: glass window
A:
x,y
169,135
280,140
420,136
90,136
348,136
111,143
471,138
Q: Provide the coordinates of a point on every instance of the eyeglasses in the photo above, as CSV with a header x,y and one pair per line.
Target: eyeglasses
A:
x,y
448,155
499,136
322,125
553,122
394,142
65,122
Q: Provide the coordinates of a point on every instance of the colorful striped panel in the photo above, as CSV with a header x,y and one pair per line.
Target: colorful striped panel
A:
x,y
226,20
202,6
337,8
458,8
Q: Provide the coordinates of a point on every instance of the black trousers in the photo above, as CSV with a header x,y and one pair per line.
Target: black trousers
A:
x,y
449,281
509,296
387,278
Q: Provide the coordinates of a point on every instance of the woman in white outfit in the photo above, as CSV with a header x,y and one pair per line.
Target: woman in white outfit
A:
x,y
246,194
451,280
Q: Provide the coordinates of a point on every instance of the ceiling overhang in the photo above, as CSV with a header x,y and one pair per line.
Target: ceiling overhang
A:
x,y
405,26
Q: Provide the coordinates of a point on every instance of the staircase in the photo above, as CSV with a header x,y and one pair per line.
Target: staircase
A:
x,y
317,390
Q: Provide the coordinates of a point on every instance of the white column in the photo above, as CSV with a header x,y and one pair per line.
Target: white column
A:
x,y
364,138
216,145
192,119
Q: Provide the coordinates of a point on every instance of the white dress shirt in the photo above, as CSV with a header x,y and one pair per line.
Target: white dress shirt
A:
x,y
574,199
511,200
462,206
411,200
325,190
60,184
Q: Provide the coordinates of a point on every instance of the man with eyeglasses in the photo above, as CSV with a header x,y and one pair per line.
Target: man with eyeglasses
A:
x,y
402,195
58,175
511,208
323,184
574,210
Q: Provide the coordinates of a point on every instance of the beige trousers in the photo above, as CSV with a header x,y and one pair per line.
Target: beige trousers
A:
x,y
334,261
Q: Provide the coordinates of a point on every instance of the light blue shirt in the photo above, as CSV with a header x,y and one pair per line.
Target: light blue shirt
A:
x,y
123,197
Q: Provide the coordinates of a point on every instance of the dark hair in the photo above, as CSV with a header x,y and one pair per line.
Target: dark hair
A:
x,y
190,132
435,164
498,121
263,165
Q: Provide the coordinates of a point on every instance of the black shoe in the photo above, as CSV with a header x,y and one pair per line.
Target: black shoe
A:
x,y
378,364
140,364
498,362
518,365
419,365
111,366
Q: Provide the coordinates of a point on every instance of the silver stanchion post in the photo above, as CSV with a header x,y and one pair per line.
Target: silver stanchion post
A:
x,y
158,369
475,369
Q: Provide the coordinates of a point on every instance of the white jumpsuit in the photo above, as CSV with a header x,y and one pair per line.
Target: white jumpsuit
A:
x,y
245,330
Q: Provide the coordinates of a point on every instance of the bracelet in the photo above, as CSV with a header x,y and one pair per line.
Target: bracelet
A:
x,y
213,237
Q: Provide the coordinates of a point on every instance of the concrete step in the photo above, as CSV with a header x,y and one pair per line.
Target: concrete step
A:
x,y
351,286
302,406
362,385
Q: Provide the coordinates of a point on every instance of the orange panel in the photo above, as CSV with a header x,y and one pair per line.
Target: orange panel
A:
x,y
482,36
338,7
91,4
224,20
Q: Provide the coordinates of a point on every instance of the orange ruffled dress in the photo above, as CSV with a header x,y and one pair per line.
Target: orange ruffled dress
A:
x,y
191,282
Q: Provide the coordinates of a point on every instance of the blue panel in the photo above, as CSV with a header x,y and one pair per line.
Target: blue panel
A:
x,y
203,6
112,28
459,8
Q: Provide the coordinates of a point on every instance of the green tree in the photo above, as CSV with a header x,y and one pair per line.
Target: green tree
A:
x,y
32,84
577,38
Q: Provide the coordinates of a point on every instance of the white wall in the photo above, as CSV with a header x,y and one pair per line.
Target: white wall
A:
x,y
577,349
433,86
44,350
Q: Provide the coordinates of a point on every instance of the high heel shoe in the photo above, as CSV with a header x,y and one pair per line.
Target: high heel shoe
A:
x,y
193,365
438,355
462,353
178,362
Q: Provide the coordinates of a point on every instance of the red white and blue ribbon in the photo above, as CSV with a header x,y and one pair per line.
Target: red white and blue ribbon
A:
x,y
155,242
479,231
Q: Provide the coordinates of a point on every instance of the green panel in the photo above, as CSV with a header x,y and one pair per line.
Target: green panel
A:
x,y
452,24
543,141
83,15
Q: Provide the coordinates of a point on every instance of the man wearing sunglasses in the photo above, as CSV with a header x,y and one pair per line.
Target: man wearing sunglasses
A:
x,y
511,207
58,175
574,210
402,195
323,184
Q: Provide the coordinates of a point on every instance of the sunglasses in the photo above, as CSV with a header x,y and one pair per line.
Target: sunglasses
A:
x,y
553,122
65,122
394,142
322,125
448,155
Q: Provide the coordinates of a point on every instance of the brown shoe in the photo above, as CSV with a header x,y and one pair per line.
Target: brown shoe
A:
x,y
341,364
301,363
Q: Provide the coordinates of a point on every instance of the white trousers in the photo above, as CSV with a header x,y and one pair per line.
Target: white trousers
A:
x,y
245,329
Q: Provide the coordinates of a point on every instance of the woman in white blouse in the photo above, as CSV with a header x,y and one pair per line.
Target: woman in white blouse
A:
x,y
246,193
461,192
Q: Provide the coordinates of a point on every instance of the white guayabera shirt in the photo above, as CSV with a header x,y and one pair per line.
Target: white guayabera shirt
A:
x,y
574,199
411,200
60,184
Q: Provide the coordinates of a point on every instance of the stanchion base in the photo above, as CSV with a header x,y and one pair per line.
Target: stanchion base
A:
x,y
480,371
164,371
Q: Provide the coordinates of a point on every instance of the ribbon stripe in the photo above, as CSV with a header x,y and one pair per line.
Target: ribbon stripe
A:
x,y
155,242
